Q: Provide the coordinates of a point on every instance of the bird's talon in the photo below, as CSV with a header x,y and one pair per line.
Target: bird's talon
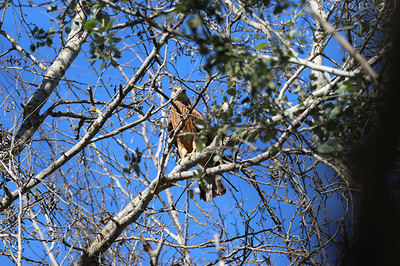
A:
x,y
190,154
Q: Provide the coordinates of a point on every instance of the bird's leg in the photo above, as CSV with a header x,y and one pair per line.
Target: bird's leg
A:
x,y
194,145
194,148
182,151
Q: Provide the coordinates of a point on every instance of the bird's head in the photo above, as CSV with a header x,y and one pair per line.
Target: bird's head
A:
x,y
179,94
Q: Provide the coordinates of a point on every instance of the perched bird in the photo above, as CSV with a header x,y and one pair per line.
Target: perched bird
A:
x,y
188,137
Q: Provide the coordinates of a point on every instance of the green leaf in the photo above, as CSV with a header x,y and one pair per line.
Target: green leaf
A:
x,y
348,87
191,193
347,27
301,41
326,148
90,24
181,8
201,142
49,42
117,53
313,77
109,25
231,92
216,158
51,31
51,8
200,124
260,46
334,112
32,47
103,64
114,40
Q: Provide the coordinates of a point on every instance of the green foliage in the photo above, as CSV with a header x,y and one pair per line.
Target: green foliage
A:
x,y
253,5
260,46
349,87
42,37
223,53
209,7
104,42
201,142
344,117
348,119
326,148
280,6
90,24
202,139
68,13
4,4
200,124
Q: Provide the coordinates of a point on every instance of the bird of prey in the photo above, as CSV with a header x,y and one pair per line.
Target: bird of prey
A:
x,y
187,140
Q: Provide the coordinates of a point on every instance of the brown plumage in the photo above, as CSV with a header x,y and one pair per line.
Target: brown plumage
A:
x,y
210,185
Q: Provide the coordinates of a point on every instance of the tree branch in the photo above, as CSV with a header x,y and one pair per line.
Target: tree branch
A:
x,y
31,119
346,45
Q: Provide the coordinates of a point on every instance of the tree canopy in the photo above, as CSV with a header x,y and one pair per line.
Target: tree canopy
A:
x,y
89,173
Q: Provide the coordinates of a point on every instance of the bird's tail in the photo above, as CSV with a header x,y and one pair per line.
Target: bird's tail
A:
x,y
211,186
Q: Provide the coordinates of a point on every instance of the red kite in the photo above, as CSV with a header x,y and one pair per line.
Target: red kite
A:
x,y
187,140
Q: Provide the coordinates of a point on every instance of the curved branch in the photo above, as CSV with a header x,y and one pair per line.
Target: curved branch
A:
x,y
314,66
